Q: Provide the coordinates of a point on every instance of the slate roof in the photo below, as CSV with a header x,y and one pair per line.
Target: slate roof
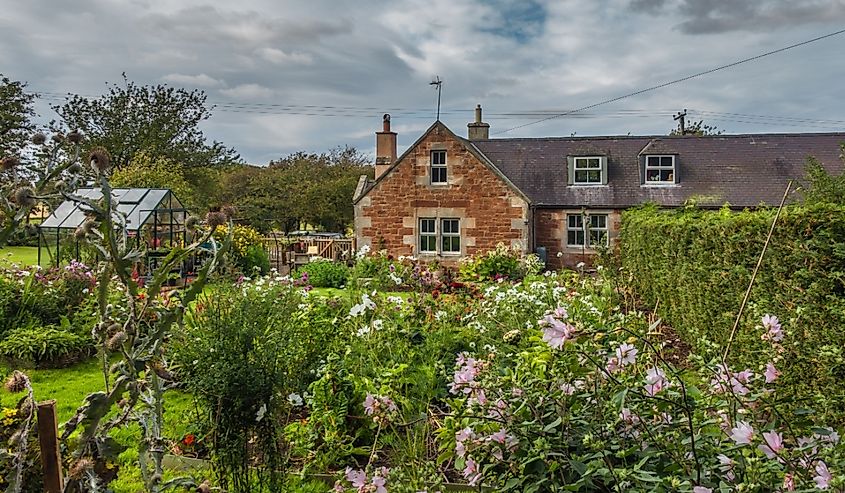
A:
x,y
742,170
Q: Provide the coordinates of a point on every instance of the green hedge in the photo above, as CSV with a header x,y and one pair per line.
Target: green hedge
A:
x,y
695,266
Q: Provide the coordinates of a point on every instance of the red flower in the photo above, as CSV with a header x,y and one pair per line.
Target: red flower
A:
x,y
435,294
189,439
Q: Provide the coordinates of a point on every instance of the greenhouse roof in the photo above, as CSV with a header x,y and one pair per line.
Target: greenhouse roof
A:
x,y
137,204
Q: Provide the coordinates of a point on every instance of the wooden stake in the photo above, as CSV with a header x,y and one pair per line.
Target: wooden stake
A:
x,y
48,438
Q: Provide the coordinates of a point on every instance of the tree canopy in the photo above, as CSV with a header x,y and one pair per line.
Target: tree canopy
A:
x,y
159,121
16,110
300,188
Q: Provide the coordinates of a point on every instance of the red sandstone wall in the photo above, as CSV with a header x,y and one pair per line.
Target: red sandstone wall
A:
x,y
490,212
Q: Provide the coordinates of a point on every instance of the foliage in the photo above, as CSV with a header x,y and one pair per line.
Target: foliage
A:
x,y
40,346
144,171
323,273
821,186
500,263
313,188
247,253
159,121
694,267
16,110
242,352
697,129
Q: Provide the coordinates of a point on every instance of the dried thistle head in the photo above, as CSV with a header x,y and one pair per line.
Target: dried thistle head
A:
x,y
214,219
25,197
116,341
9,163
191,223
74,137
229,210
17,382
58,137
100,160
80,467
38,138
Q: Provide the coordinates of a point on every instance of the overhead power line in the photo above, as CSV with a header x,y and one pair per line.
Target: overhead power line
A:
x,y
676,81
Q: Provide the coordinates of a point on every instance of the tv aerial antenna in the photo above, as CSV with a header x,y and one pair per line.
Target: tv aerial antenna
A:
x,y
439,83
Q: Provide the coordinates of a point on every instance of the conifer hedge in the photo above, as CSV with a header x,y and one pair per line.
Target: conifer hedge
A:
x,y
694,266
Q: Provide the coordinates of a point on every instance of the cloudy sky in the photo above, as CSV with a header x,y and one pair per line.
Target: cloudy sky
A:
x,y
288,76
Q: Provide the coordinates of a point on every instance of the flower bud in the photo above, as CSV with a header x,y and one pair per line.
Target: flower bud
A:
x,y
116,341
100,160
74,137
9,163
39,138
214,219
191,223
25,197
58,137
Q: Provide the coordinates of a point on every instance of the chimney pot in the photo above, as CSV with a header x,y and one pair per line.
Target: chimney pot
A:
x,y
478,130
385,147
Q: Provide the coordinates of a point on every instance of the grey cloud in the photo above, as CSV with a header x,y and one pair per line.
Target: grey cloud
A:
x,y
650,6
719,16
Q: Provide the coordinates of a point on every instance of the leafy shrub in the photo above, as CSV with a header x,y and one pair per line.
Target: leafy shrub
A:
x,y
247,253
322,273
501,263
254,261
44,347
696,265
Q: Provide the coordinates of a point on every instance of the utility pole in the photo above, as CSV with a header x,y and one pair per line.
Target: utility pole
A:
x,y
439,83
681,116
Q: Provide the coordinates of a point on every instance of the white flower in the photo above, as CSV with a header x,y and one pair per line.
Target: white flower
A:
x,y
261,412
295,399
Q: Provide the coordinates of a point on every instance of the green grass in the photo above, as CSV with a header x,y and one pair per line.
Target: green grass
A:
x,y
22,255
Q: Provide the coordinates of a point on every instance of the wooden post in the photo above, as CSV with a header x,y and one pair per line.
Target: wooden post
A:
x,y
48,438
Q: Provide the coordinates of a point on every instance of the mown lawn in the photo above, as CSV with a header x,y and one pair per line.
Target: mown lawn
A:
x,y
22,255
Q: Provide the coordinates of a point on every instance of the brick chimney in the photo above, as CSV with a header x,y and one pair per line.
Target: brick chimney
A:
x,y
478,130
385,147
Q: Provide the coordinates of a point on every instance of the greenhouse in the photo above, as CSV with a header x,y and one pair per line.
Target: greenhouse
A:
x,y
154,219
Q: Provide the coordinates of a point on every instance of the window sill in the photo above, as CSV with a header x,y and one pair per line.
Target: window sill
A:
x,y
586,185
439,184
659,185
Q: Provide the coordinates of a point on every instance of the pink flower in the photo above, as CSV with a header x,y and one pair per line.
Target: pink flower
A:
x,y
742,433
555,332
628,417
771,373
823,476
471,472
357,477
772,326
702,489
773,443
626,354
655,381
560,312
370,404
788,482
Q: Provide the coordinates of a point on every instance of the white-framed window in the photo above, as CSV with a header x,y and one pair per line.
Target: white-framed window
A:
x,y
438,168
586,230
587,170
659,169
450,236
428,235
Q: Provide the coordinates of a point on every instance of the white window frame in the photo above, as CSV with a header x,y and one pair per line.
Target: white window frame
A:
x,y
439,166
660,168
427,234
586,169
450,234
586,232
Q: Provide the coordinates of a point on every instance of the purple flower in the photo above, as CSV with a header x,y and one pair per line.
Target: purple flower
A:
x,y
742,433
357,477
773,328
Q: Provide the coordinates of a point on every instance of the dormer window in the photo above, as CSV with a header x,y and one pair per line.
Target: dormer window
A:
x,y
587,170
438,168
660,170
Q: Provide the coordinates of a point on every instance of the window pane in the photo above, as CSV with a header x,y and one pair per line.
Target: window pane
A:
x,y
438,157
452,244
438,175
666,175
598,221
666,161
594,176
574,221
594,163
428,243
598,237
427,225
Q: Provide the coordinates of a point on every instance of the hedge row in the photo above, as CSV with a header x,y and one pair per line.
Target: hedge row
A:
x,y
695,266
